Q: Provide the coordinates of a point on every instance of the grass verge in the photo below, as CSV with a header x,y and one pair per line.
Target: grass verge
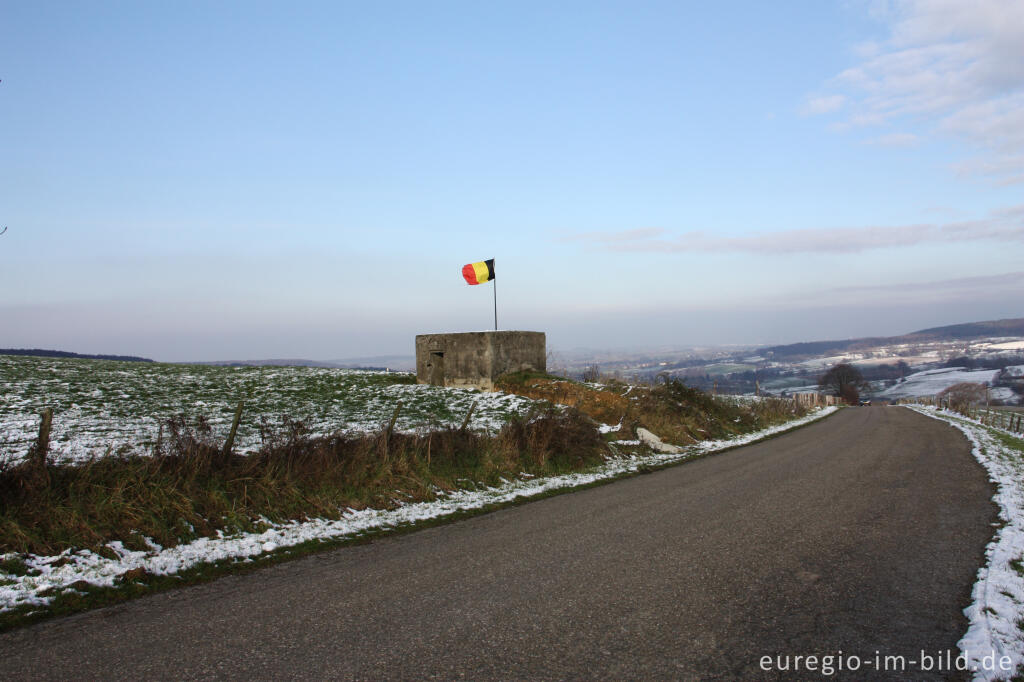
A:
x,y
191,488
678,413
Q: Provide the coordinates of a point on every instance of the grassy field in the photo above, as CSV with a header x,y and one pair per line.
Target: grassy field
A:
x,y
103,407
728,368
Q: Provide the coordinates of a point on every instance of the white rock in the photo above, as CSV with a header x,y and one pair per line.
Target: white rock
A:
x,y
655,443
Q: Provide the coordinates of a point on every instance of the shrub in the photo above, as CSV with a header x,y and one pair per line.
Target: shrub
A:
x,y
191,487
963,395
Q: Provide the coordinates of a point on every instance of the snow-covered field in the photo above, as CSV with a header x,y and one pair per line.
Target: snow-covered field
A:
x,y
1009,345
933,381
826,362
104,406
998,595
48,575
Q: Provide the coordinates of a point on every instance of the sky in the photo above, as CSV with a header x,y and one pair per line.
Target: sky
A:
x,y
242,180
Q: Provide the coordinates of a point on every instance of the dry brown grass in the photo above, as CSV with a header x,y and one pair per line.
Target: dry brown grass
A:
x,y
676,412
191,487
603,405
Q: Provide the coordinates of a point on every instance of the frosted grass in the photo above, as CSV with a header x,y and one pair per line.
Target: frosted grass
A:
x,y
102,407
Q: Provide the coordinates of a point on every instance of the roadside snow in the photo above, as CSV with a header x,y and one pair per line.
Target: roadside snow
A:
x,y
998,595
51,574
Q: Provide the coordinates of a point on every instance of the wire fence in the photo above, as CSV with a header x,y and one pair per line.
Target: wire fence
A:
x,y
1007,420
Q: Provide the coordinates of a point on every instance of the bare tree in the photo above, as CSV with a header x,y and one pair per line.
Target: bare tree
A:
x,y
845,381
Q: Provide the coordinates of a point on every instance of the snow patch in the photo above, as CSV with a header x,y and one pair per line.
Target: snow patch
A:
x,y
933,381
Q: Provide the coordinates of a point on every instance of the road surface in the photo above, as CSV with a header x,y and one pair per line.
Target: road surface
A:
x,y
861,533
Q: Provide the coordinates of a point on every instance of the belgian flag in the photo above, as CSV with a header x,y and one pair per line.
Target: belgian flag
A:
x,y
478,273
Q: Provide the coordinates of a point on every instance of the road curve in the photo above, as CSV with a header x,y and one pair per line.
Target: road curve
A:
x,y
860,533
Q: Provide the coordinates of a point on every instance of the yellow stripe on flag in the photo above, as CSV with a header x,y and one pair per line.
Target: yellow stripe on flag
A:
x,y
478,273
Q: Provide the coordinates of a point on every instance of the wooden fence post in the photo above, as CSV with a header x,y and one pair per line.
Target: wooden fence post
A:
x,y
391,427
230,442
43,442
465,422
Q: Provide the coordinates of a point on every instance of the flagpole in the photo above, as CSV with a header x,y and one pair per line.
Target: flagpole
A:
x,y
494,284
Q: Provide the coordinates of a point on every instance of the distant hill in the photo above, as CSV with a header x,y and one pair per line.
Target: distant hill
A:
x,y
398,363
65,354
971,330
373,363
272,362
955,332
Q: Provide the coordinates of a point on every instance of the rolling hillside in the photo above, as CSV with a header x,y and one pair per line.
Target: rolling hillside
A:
x,y
970,330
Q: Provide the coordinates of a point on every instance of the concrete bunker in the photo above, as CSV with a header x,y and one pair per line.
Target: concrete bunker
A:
x,y
477,359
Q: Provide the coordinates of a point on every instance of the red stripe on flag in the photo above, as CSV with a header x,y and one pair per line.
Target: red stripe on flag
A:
x,y
469,273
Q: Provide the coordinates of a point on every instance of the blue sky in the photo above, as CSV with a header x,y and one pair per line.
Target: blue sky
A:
x,y
246,180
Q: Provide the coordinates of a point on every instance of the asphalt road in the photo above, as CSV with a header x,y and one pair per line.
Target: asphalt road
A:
x,y
861,533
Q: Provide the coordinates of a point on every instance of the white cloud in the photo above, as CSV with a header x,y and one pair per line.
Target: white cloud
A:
x,y
896,140
962,285
1005,225
953,67
1006,169
824,104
